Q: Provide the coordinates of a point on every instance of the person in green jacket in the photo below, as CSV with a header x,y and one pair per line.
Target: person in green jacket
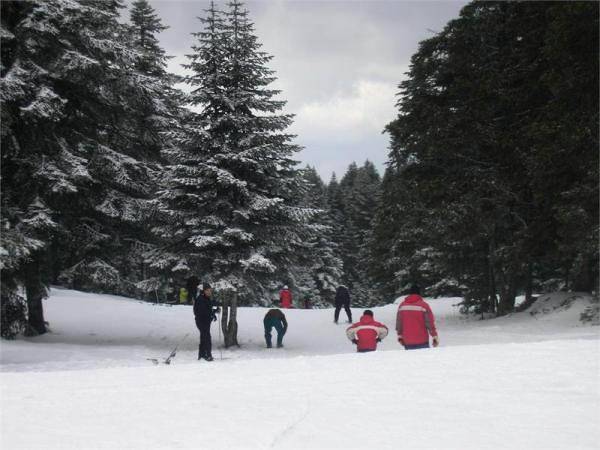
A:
x,y
275,319
183,295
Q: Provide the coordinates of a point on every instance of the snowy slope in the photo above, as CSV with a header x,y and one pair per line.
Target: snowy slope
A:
x,y
523,381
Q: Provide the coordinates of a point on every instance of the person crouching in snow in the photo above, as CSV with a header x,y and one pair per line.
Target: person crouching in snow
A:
x,y
275,319
366,333
415,322
285,298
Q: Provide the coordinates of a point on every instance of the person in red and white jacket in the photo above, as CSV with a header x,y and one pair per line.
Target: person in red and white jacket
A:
x,y
415,322
366,333
285,298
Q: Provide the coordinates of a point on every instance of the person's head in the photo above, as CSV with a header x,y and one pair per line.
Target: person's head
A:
x,y
285,287
207,289
414,289
368,312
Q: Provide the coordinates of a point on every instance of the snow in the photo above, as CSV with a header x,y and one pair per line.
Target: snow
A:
x,y
258,263
519,382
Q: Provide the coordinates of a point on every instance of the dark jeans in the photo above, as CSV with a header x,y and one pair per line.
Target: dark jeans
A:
x,y
346,307
269,325
416,346
205,347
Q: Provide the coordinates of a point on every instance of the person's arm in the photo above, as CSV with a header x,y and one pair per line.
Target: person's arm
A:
x,y
430,321
430,325
351,333
382,332
285,324
399,327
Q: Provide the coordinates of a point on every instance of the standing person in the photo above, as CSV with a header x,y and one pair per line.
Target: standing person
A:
x,y
192,287
205,311
307,301
275,319
342,299
366,333
415,322
285,298
183,295
173,293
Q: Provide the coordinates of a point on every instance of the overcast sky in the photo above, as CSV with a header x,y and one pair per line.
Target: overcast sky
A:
x,y
338,65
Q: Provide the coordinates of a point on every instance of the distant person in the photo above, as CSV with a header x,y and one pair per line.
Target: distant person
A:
x,y
172,292
275,319
342,299
205,312
285,298
307,301
366,333
183,295
192,287
415,322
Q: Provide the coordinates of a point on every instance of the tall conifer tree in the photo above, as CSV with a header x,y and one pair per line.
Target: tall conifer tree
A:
x,y
231,194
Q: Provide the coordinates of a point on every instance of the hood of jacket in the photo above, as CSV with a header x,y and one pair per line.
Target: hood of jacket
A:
x,y
413,298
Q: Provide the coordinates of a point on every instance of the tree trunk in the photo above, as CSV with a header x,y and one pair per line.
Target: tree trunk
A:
x,y
586,280
529,284
508,294
229,319
493,302
35,292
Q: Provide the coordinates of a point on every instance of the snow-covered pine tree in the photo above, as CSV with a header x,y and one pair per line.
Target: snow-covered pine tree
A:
x,y
323,266
70,155
353,202
184,194
159,115
114,106
488,158
145,25
231,189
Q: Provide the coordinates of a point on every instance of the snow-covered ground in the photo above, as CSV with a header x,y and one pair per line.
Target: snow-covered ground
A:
x,y
526,381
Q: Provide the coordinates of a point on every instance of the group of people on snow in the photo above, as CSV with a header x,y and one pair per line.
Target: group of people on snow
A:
x,y
415,321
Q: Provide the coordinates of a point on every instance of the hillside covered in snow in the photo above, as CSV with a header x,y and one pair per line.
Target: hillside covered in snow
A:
x,y
527,380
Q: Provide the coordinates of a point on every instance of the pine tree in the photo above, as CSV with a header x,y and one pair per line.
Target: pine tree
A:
x,y
145,26
479,152
69,104
158,120
324,271
232,183
353,205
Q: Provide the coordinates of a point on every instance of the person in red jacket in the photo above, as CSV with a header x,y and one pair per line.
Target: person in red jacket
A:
x,y
285,298
415,322
366,333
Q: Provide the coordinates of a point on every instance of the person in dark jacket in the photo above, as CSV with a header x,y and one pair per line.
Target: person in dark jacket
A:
x,y
275,319
205,311
192,287
342,299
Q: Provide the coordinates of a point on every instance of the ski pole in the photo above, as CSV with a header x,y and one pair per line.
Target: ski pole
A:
x,y
220,342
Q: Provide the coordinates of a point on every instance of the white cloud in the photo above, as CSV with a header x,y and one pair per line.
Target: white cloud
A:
x,y
365,110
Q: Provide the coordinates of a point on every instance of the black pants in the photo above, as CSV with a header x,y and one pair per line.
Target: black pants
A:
x,y
416,346
346,307
205,347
